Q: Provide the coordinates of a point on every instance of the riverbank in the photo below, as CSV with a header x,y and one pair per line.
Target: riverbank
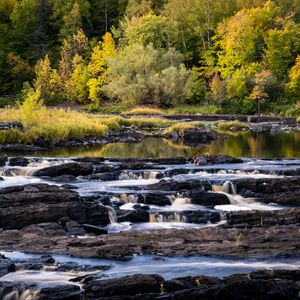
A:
x,y
109,223
44,129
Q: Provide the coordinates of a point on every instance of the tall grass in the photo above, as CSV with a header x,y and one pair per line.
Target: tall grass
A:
x,y
181,127
54,126
143,110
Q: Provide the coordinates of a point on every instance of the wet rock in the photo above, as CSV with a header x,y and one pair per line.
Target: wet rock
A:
x,y
38,203
6,266
10,125
201,217
208,199
128,285
94,229
18,161
74,169
3,160
65,178
215,159
180,186
158,199
133,216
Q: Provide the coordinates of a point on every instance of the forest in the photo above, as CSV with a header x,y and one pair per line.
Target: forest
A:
x,y
225,56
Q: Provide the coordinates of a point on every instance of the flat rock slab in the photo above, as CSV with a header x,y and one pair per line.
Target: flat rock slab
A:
x,y
276,241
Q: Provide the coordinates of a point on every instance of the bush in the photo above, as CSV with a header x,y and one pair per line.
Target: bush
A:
x,y
144,75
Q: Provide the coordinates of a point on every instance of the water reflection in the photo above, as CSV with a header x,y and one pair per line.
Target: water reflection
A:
x,y
250,144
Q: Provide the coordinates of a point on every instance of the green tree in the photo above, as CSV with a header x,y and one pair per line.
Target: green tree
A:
x,y
143,74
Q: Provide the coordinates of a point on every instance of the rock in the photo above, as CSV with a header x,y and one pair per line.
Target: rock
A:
x,y
38,203
6,266
197,136
128,285
133,216
74,169
94,229
74,228
263,218
18,161
3,160
201,217
180,185
158,199
208,199
10,125
215,159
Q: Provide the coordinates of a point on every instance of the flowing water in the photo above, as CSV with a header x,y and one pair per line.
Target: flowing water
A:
x,y
128,184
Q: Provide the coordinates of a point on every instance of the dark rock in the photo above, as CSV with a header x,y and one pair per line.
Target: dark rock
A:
x,y
263,218
158,199
197,136
128,285
10,125
18,161
6,266
38,203
74,169
215,159
3,160
94,229
201,217
133,216
74,228
208,199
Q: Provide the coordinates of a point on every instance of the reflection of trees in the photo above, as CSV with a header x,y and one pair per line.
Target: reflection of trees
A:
x,y
249,144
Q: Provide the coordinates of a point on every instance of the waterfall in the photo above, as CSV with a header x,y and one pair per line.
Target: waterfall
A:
x,y
168,217
150,174
129,176
229,188
21,294
112,214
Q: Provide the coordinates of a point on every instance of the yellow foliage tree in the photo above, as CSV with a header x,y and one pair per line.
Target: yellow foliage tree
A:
x,y
98,67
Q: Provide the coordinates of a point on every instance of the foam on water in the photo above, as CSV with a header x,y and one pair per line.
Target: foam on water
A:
x,y
168,267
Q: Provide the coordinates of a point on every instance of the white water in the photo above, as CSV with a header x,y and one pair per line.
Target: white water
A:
x,y
168,267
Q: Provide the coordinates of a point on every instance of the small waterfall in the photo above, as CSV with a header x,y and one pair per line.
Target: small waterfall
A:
x,y
229,188
21,294
150,174
132,199
181,201
112,215
167,217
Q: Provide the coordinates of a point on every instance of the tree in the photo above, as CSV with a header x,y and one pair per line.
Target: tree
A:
x,y
75,45
72,22
98,66
282,48
293,86
30,21
46,80
158,30
143,74
264,81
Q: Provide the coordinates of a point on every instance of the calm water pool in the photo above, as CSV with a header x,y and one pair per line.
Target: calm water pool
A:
x,y
249,144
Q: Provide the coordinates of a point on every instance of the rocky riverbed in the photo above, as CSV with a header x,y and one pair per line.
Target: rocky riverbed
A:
x,y
169,228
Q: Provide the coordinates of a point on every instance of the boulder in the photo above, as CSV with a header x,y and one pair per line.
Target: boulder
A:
x,y
128,285
74,169
208,199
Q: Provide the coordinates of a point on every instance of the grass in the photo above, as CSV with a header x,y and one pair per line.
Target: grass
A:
x,y
228,126
113,108
54,126
193,109
143,110
142,122
181,127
